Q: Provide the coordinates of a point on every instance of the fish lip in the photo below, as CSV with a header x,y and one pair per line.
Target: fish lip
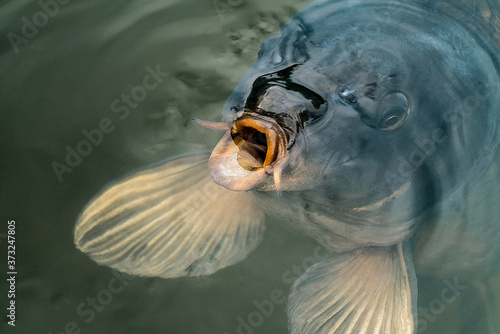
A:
x,y
248,132
253,148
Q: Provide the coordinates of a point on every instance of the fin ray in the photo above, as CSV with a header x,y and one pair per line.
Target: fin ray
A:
x,y
369,290
170,220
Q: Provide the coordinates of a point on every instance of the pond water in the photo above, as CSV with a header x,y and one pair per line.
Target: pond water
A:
x,y
92,90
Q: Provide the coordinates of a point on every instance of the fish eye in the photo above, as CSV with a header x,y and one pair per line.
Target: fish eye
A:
x,y
393,111
392,121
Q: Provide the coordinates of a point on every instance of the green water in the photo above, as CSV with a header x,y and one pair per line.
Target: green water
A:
x,y
91,90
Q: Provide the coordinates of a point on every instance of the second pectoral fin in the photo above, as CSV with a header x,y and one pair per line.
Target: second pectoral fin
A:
x,y
369,290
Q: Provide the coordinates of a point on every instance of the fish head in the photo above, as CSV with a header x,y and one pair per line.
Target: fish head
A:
x,y
351,104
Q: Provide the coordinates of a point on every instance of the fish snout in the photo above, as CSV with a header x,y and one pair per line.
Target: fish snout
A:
x,y
253,151
257,146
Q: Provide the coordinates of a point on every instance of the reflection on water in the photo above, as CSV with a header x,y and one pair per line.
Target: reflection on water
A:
x,y
93,90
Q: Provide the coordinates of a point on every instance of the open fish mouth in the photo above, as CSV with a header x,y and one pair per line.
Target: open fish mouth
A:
x,y
260,139
254,148
258,142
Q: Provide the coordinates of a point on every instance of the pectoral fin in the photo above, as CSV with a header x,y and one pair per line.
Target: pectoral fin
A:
x,y
168,221
371,290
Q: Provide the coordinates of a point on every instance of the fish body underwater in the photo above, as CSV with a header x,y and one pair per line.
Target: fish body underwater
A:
x,y
371,126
